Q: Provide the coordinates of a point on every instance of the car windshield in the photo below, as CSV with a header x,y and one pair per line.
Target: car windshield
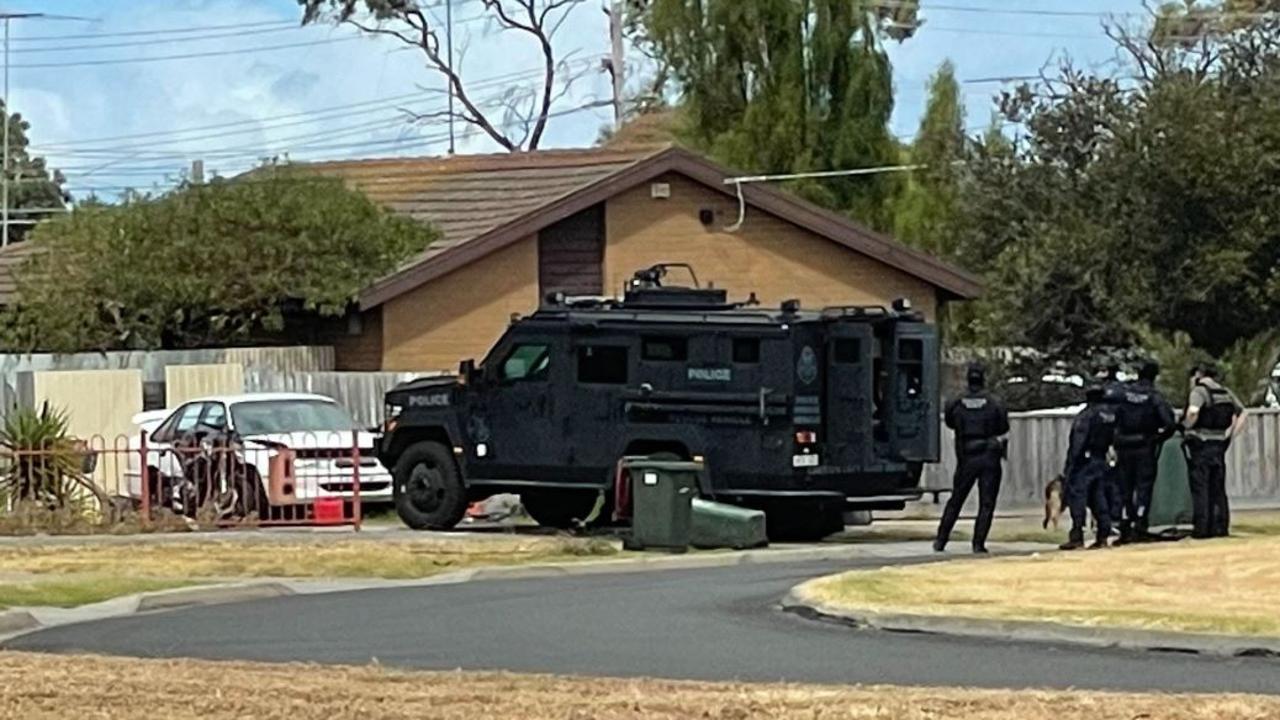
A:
x,y
267,417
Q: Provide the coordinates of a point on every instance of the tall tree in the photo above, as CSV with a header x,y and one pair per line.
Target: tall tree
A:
x,y
1147,197
203,265
518,120
925,212
787,86
35,192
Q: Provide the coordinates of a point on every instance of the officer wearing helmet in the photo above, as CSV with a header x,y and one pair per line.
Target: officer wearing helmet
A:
x,y
980,423
1214,416
1145,422
1086,472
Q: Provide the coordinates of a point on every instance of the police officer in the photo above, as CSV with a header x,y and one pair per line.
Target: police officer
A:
x,y
1107,375
1214,416
1092,435
1145,422
980,423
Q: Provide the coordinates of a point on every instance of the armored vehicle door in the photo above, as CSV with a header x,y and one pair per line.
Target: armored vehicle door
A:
x,y
849,369
913,412
514,424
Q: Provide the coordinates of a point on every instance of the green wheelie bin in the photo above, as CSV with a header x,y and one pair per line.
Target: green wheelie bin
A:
x,y
1171,498
662,493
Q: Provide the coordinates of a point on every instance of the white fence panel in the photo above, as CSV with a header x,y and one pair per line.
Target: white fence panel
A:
x,y
360,392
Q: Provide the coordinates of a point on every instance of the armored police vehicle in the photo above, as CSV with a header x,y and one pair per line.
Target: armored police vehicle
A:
x,y
804,414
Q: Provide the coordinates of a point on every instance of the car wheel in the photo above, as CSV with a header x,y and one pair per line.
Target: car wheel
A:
x,y
428,492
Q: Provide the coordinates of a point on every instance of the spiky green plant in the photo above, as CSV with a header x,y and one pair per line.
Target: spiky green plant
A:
x,y
43,463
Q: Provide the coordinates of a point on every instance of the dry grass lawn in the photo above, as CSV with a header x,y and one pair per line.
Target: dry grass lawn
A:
x,y
48,687
1219,586
211,558
73,574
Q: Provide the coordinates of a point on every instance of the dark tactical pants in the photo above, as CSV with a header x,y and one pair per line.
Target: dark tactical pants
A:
x,y
1137,467
1207,468
1088,490
984,470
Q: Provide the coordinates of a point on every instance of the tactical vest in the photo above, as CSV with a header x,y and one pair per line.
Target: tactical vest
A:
x,y
972,418
1102,430
1137,416
1219,412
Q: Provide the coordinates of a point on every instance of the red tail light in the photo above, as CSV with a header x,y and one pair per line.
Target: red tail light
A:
x,y
806,437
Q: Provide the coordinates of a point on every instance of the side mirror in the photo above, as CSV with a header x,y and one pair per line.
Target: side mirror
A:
x,y
467,371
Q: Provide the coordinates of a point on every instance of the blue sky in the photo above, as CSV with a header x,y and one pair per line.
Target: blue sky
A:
x,y
106,123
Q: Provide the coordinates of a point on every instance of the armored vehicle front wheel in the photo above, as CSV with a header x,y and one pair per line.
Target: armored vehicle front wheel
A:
x,y
560,509
428,491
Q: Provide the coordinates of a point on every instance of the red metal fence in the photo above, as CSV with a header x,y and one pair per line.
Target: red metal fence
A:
x,y
323,478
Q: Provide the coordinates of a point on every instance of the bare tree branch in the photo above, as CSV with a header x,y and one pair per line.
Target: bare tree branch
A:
x,y
539,19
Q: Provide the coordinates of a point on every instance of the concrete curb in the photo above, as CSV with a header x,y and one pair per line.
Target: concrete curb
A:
x,y
210,595
16,621
1037,632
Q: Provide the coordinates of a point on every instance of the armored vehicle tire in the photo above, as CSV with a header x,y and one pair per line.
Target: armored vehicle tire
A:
x,y
428,490
561,509
801,521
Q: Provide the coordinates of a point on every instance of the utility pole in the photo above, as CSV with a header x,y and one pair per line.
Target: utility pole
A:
x,y
448,48
8,115
617,59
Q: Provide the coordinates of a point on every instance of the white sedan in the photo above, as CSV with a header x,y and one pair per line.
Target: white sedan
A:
x,y
293,449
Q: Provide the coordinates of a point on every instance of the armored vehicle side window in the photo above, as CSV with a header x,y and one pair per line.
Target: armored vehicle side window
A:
x,y
746,350
665,349
526,362
911,365
602,364
848,351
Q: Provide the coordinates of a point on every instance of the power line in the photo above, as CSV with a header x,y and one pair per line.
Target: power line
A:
x,y
146,152
379,104
189,56
421,141
162,41
158,31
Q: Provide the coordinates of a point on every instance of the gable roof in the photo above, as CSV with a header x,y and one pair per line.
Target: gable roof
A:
x,y
466,196
485,203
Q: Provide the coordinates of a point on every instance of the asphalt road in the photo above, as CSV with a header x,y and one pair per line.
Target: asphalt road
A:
x,y
713,624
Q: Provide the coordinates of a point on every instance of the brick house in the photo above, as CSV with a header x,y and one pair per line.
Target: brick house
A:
x,y
519,226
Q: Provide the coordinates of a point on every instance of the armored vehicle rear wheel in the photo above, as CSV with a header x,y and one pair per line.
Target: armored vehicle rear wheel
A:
x,y
428,491
802,520
558,508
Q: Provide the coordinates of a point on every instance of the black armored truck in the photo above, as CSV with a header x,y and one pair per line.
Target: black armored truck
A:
x,y
805,414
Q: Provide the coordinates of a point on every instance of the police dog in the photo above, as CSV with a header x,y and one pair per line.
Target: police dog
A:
x,y
1054,503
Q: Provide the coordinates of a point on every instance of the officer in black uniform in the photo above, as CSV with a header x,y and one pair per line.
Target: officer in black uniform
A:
x,y
1092,435
1145,422
1107,375
1214,416
980,423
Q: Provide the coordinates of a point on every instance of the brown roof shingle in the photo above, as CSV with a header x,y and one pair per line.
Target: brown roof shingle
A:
x,y
465,196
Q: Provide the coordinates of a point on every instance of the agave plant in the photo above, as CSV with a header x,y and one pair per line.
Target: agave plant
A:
x,y
43,465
